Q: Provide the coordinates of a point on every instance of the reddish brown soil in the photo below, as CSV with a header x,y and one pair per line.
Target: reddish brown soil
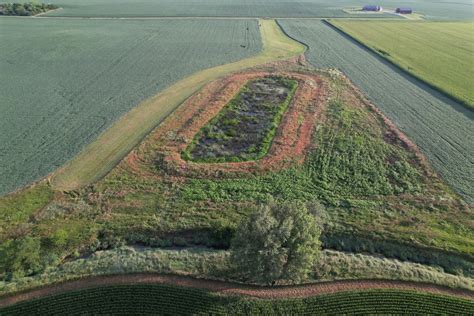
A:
x,y
229,288
160,154
293,137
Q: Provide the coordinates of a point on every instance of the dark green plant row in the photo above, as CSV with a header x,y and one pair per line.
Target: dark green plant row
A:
x,y
170,300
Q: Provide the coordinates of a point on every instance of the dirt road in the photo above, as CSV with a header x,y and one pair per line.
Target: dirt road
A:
x,y
234,288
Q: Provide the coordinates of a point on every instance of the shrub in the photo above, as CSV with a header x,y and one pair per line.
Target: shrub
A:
x,y
20,257
278,242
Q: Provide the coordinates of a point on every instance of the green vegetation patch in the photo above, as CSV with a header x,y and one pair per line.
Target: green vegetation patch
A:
x,y
25,9
244,129
208,263
437,125
144,299
375,196
439,53
17,208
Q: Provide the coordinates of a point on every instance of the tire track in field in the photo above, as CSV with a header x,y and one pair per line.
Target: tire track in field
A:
x,y
229,288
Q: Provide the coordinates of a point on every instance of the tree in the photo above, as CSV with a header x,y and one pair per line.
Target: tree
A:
x,y
278,242
20,257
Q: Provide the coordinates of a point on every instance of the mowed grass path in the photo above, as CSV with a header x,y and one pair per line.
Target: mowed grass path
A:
x,y
440,53
441,127
103,154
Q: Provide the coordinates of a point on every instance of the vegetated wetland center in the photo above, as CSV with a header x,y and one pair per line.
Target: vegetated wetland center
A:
x,y
229,157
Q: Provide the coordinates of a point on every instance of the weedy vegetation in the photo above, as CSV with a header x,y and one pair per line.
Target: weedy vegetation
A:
x,y
440,127
244,128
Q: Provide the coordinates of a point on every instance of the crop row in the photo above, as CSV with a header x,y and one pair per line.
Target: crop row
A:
x,y
148,299
66,81
436,53
268,8
439,127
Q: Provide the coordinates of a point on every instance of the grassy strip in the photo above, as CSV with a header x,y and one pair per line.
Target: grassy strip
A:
x,y
102,155
141,299
266,141
205,263
415,64
16,208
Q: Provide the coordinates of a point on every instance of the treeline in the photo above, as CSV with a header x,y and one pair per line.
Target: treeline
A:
x,y
25,9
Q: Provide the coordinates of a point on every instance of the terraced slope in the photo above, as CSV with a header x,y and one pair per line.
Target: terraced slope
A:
x,y
145,299
441,54
442,128
459,9
66,81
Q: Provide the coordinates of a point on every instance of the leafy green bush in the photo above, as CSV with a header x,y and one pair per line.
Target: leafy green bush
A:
x,y
280,241
20,257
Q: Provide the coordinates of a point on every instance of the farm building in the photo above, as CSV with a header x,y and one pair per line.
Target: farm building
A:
x,y
370,7
404,10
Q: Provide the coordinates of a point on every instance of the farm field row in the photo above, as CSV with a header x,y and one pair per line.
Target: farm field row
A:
x,y
461,9
442,128
441,54
104,153
67,81
143,299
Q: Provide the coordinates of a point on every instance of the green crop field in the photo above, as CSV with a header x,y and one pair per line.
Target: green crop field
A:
x,y
256,8
66,81
442,128
441,54
161,299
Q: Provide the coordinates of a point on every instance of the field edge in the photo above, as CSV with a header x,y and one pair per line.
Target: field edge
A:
x,y
435,87
231,288
99,157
